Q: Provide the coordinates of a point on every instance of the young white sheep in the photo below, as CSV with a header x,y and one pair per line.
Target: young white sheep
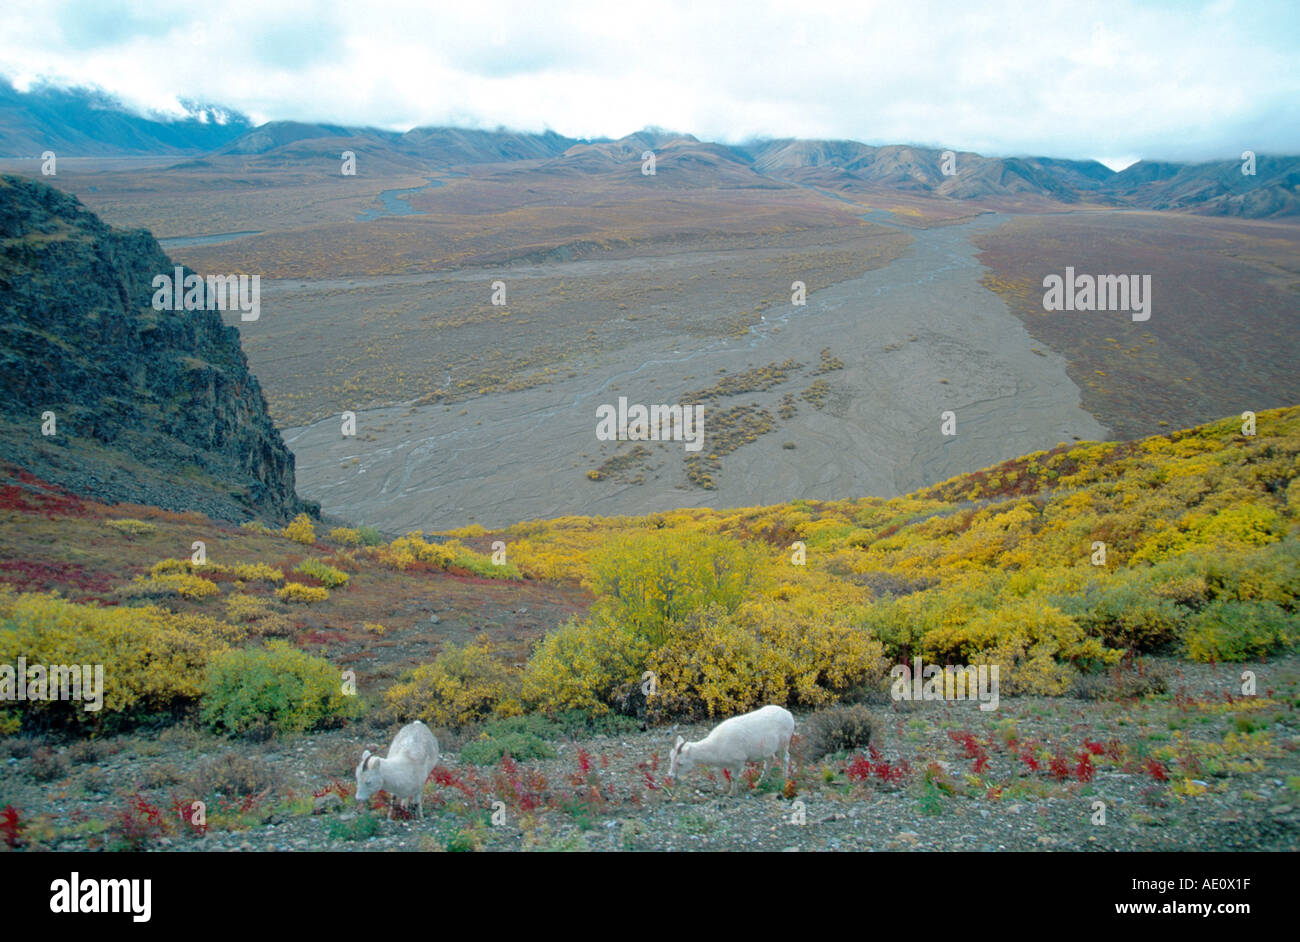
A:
x,y
411,758
758,735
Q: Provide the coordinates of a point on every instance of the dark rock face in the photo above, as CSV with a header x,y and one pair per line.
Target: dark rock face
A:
x,y
152,407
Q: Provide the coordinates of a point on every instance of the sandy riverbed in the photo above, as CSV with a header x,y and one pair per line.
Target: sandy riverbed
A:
x,y
900,331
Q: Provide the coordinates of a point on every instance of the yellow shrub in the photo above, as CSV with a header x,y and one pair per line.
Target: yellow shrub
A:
x,y
153,661
714,666
461,686
297,592
166,567
132,528
374,628
300,530
260,614
172,583
252,572
579,664
346,536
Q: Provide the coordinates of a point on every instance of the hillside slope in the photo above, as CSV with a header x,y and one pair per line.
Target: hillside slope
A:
x,y
152,407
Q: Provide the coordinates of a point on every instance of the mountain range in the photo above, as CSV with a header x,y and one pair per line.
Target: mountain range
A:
x,y
85,123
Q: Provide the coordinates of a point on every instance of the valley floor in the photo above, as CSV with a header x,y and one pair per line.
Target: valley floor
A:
x,y
912,339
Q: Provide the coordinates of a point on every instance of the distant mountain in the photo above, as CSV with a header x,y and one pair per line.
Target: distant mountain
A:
x,y
452,146
921,169
150,407
87,123
1218,188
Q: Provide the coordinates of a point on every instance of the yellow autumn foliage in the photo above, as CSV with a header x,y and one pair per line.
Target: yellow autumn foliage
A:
x,y
153,660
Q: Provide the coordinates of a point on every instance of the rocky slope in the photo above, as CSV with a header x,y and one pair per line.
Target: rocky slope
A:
x,y
152,407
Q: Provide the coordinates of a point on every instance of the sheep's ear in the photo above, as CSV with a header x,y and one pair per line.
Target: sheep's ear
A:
x,y
677,745
365,757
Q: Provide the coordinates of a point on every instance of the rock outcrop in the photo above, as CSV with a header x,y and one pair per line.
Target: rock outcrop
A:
x,y
151,407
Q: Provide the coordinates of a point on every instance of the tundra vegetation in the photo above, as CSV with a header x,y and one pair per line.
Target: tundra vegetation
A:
x,y
557,638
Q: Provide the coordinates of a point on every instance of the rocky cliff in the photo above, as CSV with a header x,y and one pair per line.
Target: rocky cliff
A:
x,y
152,407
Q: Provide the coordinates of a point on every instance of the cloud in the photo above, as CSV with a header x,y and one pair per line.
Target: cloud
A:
x,y
1164,80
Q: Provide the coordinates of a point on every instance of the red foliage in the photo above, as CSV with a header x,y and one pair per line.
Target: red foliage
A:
x,y
525,788
892,773
49,505
10,827
447,778
342,789
32,576
184,809
1060,767
859,770
1156,770
972,749
1095,748
1027,757
140,822
319,636
1084,771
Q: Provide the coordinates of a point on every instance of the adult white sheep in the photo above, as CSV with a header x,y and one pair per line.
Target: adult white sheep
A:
x,y
411,758
758,735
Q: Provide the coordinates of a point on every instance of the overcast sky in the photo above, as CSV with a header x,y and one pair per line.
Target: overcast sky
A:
x,y
1113,81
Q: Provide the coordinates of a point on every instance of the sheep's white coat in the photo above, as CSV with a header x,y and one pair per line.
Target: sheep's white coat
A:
x,y
411,757
761,734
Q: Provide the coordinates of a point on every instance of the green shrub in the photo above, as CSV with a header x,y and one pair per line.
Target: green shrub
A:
x,y
520,737
278,687
362,827
1125,613
1238,631
577,723
370,536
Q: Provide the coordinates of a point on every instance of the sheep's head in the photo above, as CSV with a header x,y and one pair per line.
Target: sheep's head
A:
x,y
680,760
369,778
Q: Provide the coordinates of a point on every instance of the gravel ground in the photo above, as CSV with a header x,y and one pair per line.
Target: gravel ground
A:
x,y
1188,770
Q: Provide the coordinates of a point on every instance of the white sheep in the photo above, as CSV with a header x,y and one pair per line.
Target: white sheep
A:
x,y
411,758
753,736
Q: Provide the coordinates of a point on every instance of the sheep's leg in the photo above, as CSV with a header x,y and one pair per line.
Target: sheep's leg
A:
x,y
786,772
